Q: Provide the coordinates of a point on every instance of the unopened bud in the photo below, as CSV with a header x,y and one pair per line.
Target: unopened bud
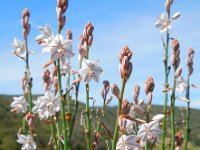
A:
x,y
129,71
175,44
178,72
150,97
125,107
115,90
25,13
149,85
136,93
69,34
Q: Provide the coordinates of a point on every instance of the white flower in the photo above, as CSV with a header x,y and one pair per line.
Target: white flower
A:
x,y
90,70
65,68
19,48
158,117
19,104
164,23
127,142
47,105
45,37
130,126
27,142
149,131
181,84
61,49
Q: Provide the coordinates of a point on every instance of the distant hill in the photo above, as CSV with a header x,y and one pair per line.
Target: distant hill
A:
x,y
11,122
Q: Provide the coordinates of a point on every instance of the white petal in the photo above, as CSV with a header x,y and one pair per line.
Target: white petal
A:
x,y
176,15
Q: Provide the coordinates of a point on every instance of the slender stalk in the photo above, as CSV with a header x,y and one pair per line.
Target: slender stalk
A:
x,y
58,131
62,106
173,113
166,47
100,116
115,137
76,104
147,119
88,118
54,134
28,74
24,125
187,115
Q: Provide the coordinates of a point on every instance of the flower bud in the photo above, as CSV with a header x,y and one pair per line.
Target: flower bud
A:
x,y
175,44
136,93
106,86
149,97
115,90
125,107
178,72
25,13
149,85
69,34
67,116
129,71
108,100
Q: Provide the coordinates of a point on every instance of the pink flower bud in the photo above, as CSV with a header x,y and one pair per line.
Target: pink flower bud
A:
x,y
115,90
178,72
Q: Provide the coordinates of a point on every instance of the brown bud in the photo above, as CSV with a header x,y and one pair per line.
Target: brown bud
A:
x,y
149,85
25,13
175,44
69,34
136,93
67,116
178,72
106,86
115,90
190,52
125,107
129,71
125,52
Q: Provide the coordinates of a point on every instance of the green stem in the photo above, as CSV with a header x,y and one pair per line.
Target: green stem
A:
x,y
100,116
62,106
58,131
173,113
166,93
187,115
72,123
54,135
88,132
115,137
147,119
28,74
88,118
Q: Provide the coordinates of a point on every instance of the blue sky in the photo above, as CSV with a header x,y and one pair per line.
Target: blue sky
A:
x,y
117,24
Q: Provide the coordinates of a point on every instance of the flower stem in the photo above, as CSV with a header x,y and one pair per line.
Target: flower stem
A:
x,y
54,134
187,115
166,93
28,77
147,119
62,106
88,118
173,113
100,116
115,137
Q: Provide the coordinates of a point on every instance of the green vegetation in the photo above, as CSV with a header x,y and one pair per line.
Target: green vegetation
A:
x,y
11,122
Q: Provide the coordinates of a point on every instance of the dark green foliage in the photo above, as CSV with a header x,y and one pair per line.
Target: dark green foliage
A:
x,y
11,122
